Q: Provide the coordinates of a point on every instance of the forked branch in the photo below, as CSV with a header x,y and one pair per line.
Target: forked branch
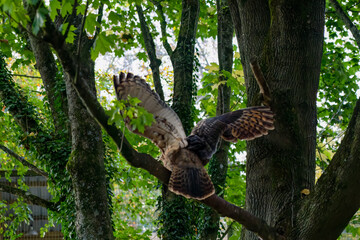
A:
x,y
348,23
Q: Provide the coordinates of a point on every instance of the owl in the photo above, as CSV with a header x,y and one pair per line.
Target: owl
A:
x,y
186,156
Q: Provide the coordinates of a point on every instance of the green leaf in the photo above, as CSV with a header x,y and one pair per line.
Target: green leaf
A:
x,y
91,23
212,68
39,20
115,18
71,35
103,44
66,8
54,7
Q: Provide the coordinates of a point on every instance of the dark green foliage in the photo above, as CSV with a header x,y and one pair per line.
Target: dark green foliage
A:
x,y
179,211
51,151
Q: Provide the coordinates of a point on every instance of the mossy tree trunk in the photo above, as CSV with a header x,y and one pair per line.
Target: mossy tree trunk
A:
x,y
177,213
86,162
218,165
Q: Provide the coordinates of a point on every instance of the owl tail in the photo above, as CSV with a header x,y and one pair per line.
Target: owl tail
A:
x,y
191,182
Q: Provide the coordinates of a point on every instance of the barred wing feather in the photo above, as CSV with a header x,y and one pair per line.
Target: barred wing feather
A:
x,y
167,127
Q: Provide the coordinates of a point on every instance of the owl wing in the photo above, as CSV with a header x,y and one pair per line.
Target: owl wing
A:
x,y
249,123
245,124
188,176
167,127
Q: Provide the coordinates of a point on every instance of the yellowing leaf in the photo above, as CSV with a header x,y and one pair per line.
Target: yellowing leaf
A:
x,y
213,67
305,192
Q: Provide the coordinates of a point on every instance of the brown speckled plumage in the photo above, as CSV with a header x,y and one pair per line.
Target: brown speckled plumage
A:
x,y
185,156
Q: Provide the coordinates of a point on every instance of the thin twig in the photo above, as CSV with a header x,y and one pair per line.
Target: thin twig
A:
x,y
163,24
28,76
79,42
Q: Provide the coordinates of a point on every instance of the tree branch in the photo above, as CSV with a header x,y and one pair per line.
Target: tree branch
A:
x,y
79,41
46,64
249,221
163,24
150,49
348,23
336,197
28,197
14,173
23,161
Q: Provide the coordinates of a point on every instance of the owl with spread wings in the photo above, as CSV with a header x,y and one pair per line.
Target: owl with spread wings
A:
x,y
186,156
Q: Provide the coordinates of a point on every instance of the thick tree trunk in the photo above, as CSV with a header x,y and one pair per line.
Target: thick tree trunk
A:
x,y
218,165
287,38
86,164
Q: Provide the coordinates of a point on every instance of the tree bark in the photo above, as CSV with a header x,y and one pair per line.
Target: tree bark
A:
x,y
287,38
183,63
151,51
54,87
182,59
336,197
218,164
86,163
